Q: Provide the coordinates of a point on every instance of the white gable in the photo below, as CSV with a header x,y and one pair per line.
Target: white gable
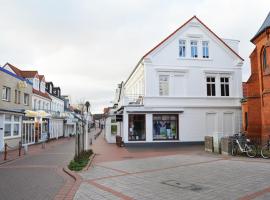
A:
x,y
220,55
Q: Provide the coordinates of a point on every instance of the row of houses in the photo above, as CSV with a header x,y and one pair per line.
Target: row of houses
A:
x,y
31,109
190,86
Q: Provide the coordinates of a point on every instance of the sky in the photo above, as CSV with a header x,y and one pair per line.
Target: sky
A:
x,y
87,47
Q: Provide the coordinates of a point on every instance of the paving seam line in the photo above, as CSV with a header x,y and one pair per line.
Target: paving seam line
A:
x,y
76,184
110,190
255,194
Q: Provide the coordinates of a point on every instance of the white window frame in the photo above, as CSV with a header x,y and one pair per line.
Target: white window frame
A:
x,y
26,100
210,82
225,83
182,48
12,122
205,45
194,46
159,85
6,93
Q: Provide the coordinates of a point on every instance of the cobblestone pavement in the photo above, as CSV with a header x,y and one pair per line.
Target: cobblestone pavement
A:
x,y
38,175
179,176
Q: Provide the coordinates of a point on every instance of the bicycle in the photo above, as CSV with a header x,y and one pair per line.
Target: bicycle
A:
x,y
265,150
242,144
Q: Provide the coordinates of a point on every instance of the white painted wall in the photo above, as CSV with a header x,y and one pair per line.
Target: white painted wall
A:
x,y
187,85
42,100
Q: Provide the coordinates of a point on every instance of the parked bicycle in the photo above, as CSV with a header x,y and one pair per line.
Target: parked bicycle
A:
x,y
265,150
241,144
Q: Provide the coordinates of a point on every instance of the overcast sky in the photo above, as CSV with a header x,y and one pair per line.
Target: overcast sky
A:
x,y
87,47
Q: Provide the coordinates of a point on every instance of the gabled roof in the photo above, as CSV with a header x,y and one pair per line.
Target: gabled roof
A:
x,y
264,26
41,77
45,95
194,17
169,36
24,74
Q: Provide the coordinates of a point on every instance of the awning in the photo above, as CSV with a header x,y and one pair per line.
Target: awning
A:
x,y
40,113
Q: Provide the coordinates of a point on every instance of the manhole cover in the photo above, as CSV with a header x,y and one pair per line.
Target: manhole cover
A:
x,y
183,185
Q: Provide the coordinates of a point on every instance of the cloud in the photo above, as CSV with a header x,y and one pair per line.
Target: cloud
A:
x,y
87,47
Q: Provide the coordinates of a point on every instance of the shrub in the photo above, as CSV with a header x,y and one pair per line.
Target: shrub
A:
x,y
80,161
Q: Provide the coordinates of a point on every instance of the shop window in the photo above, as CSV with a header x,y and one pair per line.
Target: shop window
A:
x,y
12,125
165,127
136,127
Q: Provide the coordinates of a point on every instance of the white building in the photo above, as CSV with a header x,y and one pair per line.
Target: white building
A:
x,y
185,88
57,109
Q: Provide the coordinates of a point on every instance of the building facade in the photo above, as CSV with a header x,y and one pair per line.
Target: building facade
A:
x,y
256,107
57,109
187,87
16,97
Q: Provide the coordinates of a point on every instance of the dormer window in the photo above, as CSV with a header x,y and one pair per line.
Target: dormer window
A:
x,y
182,48
205,49
194,49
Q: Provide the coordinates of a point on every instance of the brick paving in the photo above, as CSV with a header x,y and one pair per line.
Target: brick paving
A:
x,y
39,174
173,174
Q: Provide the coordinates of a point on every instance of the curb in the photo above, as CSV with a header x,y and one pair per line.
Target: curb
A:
x,y
89,163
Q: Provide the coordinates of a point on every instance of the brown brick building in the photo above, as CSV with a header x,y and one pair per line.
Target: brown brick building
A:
x,y
256,106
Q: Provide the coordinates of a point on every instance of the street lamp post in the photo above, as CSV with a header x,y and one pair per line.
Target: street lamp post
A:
x,y
86,144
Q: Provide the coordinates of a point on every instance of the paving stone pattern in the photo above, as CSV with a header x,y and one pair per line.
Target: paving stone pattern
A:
x,y
176,177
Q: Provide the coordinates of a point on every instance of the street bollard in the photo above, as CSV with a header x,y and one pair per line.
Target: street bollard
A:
x,y
20,148
25,149
5,153
43,145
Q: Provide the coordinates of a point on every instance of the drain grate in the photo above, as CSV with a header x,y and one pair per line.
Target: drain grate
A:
x,y
182,185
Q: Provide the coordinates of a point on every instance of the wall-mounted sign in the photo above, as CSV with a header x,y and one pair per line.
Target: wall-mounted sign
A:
x,y
22,84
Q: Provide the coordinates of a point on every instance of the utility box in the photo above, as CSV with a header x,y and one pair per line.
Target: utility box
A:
x,y
208,144
226,145
216,140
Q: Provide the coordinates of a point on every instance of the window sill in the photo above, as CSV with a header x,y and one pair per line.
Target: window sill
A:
x,y
198,59
6,100
11,137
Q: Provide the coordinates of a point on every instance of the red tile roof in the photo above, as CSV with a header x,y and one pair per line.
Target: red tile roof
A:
x,y
244,86
45,95
24,74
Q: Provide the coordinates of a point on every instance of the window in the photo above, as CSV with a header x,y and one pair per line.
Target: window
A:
x,y
6,93
43,106
26,99
165,127
12,125
39,104
17,97
211,86
35,104
163,85
182,48
136,127
205,49
264,59
194,49
225,86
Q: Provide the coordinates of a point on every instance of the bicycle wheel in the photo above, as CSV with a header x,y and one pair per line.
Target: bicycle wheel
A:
x,y
234,149
265,151
251,151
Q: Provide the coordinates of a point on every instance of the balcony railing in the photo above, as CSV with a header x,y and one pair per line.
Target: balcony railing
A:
x,y
132,99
